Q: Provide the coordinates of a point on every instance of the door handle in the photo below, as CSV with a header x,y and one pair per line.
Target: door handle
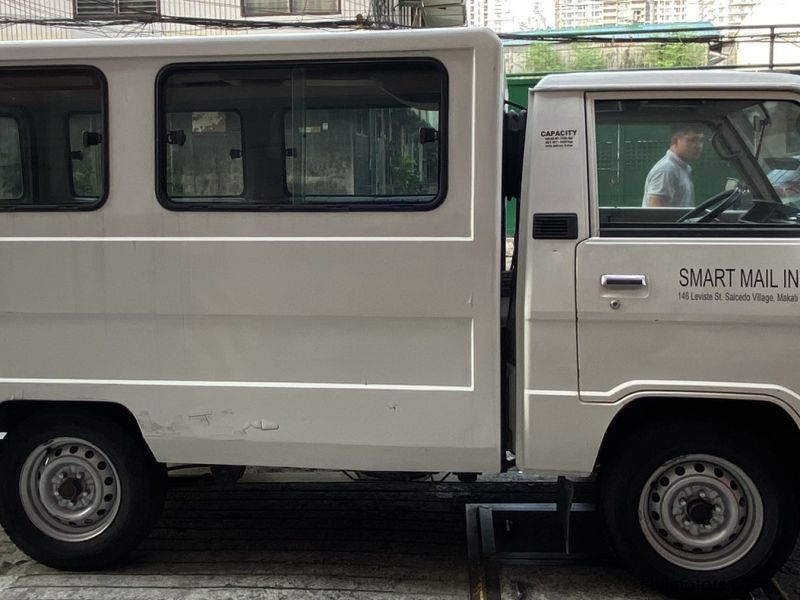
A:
x,y
615,281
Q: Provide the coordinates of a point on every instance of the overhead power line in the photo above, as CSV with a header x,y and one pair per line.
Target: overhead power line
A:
x,y
85,23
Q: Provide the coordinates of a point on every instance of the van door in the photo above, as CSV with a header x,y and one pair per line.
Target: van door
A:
x,y
690,278
687,295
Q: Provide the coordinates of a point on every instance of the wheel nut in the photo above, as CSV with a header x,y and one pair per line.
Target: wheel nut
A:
x,y
682,502
702,494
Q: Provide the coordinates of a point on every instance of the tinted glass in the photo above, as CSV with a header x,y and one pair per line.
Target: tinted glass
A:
x,y
364,135
204,154
86,155
689,163
10,160
53,155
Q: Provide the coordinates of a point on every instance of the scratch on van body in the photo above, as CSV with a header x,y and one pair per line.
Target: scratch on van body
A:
x,y
151,427
16,395
203,418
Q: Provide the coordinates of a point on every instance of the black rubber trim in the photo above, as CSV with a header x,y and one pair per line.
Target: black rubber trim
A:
x,y
684,231
202,205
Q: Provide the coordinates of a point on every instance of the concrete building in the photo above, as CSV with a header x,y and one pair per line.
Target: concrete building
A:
x,y
625,12
511,15
578,13
583,13
494,14
62,14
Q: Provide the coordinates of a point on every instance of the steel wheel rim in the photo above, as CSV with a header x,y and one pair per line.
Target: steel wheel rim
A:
x,y
69,489
701,512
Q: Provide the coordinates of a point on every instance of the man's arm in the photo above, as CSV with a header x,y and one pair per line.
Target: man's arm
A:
x,y
657,201
659,188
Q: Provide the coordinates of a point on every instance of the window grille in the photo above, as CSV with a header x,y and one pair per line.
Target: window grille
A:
x,y
103,9
266,8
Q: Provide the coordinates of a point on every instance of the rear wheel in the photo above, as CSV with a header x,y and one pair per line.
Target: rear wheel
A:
x,y
699,512
79,492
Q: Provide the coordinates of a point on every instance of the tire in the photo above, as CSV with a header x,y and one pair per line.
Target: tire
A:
x,y
700,512
79,492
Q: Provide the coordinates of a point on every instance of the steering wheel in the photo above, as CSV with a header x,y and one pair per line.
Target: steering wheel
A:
x,y
716,205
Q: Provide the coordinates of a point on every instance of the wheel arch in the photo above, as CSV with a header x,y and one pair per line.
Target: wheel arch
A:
x,y
15,412
769,418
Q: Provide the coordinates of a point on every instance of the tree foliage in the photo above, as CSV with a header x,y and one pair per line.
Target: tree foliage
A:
x,y
551,57
588,58
543,58
675,54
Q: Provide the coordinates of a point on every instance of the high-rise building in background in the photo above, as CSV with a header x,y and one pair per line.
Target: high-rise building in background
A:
x,y
487,13
511,15
583,13
727,11
578,13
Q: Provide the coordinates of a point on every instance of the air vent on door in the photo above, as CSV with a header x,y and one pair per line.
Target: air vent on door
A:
x,y
555,226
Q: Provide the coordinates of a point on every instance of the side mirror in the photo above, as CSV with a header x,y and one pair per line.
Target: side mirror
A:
x,y
235,153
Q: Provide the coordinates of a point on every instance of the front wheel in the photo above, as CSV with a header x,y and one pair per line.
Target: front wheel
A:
x,y
699,512
79,492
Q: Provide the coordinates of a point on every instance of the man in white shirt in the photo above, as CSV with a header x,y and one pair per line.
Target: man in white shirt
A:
x,y
669,182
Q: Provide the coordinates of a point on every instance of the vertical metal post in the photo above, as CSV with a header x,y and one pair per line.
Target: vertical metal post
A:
x,y
771,48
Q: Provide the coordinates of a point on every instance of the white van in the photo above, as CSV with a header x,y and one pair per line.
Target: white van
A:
x,y
287,251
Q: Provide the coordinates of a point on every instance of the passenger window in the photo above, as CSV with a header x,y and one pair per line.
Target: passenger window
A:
x,y
360,135
204,154
684,164
11,180
86,155
52,151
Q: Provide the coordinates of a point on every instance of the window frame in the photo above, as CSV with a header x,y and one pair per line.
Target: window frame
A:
x,y
361,206
674,230
249,14
113,12
30,153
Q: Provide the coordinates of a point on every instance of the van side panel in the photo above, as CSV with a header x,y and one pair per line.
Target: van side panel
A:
x,y
364,340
